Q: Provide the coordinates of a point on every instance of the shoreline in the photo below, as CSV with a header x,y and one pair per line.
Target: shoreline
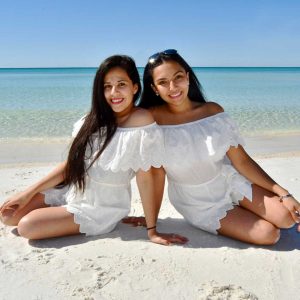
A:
x,y
33,151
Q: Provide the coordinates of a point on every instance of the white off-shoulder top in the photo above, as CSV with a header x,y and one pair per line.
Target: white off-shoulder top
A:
x,y
203,185
106,198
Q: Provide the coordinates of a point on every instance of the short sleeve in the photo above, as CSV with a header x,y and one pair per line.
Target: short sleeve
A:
x,y
225,134
133,148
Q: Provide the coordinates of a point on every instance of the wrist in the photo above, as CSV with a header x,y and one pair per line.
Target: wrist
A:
x,y
283,197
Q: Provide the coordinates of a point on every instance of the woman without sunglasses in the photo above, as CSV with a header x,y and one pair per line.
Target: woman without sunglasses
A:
x,y
213,182
112,143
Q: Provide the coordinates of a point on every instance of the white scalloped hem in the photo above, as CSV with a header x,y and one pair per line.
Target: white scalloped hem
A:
x,y
87,225
146,167
215,225
223,213
132,149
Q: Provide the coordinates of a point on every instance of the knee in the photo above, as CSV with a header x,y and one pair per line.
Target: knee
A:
x,y
284,219
266,233
27,227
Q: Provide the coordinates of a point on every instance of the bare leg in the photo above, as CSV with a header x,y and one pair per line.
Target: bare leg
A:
x,y
38,201
266,205
258,221
48,222
243,225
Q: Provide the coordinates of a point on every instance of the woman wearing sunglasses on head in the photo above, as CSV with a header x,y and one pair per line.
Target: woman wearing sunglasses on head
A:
x,y
212,181
112,143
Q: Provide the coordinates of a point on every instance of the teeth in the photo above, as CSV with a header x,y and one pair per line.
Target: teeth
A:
x,y
116,100
175,95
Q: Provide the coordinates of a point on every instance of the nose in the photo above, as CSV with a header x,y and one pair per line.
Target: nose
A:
x,y
172,85
114,90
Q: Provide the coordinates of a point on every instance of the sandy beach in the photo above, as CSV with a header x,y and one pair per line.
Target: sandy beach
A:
x,y
125,265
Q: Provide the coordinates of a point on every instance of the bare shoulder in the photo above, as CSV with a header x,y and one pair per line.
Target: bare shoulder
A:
x,y
214,108
139,117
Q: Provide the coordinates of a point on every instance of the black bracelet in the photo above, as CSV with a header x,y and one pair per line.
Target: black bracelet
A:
x,y
149,228
285,196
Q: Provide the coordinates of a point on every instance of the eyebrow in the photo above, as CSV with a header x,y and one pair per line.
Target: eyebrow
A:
x,y
180,71
105,82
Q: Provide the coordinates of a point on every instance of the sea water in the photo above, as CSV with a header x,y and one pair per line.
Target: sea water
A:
x,y
44,103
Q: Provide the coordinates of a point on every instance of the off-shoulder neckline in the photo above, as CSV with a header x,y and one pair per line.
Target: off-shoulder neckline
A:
x,y
137,127
194,122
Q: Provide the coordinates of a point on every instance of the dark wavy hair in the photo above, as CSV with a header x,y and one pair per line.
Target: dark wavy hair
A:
x,y
150,99
101,120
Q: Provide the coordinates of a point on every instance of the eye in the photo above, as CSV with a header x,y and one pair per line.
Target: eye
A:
x,y
107,87
122,84
178,77
162,83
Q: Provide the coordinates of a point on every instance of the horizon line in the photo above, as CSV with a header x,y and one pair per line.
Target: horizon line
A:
x,y
143,67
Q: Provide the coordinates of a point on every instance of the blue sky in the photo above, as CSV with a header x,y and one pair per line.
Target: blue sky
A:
x,y
207,33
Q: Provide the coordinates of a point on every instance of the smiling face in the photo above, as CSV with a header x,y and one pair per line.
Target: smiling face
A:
x,y
119,90
171,82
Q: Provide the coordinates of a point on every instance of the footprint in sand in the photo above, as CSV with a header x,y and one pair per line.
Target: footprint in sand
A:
x,y
214,291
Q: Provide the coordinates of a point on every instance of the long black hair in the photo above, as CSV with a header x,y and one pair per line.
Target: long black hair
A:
x,y
101,120
149,98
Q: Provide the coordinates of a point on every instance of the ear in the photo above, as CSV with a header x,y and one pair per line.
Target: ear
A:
x,y
154,90
135,88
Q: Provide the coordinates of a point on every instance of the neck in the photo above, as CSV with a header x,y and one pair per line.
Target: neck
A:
x,y
124,115
184,107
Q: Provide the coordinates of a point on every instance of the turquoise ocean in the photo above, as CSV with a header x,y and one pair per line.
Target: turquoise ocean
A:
x,y
44,103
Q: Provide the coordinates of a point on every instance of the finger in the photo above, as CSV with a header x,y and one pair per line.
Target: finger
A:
x,y
3,206
164,242
296,215
177,240
126,221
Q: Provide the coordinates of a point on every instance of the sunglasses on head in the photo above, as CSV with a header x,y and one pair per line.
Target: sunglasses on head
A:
x,y
155,56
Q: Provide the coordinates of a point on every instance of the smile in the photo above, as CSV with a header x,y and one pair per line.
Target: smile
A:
x,y
117,100
176,95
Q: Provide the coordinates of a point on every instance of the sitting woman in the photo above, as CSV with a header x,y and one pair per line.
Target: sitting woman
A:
x,y
213,182
112,143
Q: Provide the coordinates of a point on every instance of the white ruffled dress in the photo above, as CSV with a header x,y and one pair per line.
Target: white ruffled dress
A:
x,y
203,185
107,195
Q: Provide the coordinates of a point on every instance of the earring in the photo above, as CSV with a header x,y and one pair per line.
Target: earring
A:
x,y
157,94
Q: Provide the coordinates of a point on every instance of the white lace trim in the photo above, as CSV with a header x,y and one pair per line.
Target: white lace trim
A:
x,y
130,148
219,131
134,148
239,187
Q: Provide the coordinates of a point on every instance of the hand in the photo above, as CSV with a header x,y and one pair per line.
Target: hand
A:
x,y
15,203
166,238
294,207
135,221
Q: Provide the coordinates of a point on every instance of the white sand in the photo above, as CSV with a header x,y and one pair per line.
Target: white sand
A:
x,y
125,265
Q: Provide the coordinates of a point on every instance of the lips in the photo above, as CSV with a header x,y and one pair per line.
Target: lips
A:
x,y
173,96
117,100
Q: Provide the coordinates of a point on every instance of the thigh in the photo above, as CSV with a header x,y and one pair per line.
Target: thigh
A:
x,y
243,225
38,201
48,222
267,205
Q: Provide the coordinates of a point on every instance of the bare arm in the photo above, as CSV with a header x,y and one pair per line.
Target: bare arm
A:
x,y
159,184
148,192
252,171
21,199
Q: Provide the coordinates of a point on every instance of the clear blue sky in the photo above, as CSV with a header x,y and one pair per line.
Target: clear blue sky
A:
x,y
59,33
